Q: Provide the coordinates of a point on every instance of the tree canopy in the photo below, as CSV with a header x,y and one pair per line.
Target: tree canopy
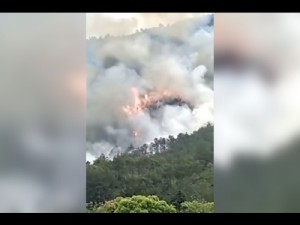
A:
x,y
178,170
197,207
135,204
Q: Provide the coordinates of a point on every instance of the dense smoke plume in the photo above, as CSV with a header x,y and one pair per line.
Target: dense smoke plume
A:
x,y
153,83
257,113
42,122
257,84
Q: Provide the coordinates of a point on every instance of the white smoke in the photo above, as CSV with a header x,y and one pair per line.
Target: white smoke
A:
x,y
176,58
117,24
255,118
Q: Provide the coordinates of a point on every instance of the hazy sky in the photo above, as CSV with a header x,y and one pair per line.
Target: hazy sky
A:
x,y
101,24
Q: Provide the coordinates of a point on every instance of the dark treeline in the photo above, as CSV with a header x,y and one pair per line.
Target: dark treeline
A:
x,y
175,170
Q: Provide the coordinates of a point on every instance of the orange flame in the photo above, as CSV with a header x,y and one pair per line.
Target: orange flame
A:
x,y
141,102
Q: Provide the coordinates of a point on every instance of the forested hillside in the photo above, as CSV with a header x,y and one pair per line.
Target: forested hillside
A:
x,y
175,170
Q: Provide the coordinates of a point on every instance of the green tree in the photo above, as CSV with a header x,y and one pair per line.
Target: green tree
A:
x,y
136,204
197,207
185,166
178,199
108,206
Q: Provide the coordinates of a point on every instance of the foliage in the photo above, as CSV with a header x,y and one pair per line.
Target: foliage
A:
x,y
180,170
178,199
197,207
109,206
91,207
135,204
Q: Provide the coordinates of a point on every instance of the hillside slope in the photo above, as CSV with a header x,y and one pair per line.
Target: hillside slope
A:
x,y
182,171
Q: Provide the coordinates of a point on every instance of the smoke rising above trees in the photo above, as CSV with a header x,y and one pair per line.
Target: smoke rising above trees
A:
x,y
176,59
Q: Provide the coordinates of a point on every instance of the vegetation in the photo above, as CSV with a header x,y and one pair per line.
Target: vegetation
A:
x,y
135,204
149,204
197,207
179,171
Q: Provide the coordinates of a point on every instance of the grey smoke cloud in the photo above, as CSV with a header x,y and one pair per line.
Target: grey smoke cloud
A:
x,y
257,112
117,24
254,117
176,58
42,127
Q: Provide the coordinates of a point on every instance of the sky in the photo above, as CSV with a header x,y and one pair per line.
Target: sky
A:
x,y
117,24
